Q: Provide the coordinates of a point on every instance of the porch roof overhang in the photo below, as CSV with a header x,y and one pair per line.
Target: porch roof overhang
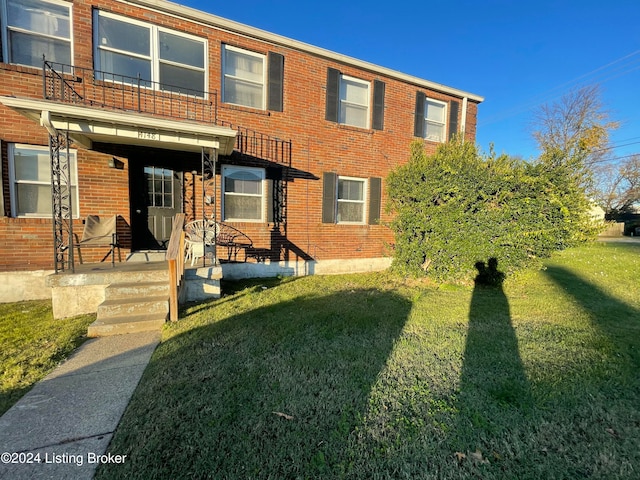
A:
x,y
88,125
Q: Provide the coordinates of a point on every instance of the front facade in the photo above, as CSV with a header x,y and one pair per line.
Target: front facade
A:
x,y
158,109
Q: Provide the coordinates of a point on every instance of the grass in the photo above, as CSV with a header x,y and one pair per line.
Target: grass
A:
x,y
373,377
32,343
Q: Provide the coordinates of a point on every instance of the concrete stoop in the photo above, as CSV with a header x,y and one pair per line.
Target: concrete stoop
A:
x,y
131,307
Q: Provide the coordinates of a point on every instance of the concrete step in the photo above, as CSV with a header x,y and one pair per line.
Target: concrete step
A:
x,y
132,306
123,325
137,290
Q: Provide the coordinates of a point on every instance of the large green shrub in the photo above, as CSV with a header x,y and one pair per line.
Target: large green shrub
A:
x,y
457,207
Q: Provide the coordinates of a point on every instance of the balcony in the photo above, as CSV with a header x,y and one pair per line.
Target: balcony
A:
x,y
109,91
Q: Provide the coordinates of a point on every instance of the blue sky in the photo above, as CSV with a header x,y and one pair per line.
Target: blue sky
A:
x,y
516,54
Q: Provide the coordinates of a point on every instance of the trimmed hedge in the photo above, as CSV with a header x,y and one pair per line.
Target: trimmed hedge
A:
x,y
458,207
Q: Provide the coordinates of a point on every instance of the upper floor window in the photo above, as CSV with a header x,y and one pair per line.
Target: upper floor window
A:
x,y
431,118
34,28
243,77
354,102
242,193
349,101
127,49
435,120
30,176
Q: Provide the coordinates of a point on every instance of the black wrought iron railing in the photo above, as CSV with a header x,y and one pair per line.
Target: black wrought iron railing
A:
x,y
260,145
95,88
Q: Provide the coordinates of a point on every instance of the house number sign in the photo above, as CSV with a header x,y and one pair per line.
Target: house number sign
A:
x,y
147,135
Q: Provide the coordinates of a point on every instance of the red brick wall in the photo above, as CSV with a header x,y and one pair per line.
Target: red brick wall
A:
x,y
317,146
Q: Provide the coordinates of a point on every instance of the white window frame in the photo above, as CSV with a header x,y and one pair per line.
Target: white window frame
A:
x,y
342,102
154,47
227,170
365,192
231,48
11,148
428,122
6,49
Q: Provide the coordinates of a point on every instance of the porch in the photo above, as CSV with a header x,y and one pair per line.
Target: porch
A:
x,y
132,296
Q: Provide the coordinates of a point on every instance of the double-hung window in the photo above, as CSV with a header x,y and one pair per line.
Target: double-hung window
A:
x,y
243,77
354,102
243,193
349,101
33,28
435,120
127,49
30,176
351,200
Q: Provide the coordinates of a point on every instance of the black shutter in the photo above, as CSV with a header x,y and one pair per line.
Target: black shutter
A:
x,y
454,108
275,82
378,105
328,197
418,130
375,199
333,92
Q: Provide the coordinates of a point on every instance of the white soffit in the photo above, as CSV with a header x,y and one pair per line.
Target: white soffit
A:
x,y
88,125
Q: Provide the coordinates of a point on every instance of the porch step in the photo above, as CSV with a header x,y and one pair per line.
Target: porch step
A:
x,y
136,289
121,307
131,307
125,324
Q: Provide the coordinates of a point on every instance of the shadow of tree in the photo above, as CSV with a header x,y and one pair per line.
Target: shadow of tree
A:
x,y
270,393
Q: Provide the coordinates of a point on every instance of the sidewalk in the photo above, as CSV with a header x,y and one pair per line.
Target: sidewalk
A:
x,y
65,423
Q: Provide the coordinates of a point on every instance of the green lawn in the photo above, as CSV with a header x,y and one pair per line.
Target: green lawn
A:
x,y
32,343
372,377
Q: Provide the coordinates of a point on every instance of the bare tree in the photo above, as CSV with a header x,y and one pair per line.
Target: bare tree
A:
x,y
619,186
576,127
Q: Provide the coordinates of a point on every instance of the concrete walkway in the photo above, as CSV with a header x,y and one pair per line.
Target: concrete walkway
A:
x,y
65,423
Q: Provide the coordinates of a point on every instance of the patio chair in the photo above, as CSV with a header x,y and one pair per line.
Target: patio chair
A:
x,y
200,239
99,232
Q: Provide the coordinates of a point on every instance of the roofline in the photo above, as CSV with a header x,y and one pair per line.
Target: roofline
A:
x,y
209,19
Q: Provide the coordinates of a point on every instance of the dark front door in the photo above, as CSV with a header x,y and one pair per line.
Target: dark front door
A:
x,y
156,196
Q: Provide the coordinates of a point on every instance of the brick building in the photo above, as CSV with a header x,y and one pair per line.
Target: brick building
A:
x,y
160,109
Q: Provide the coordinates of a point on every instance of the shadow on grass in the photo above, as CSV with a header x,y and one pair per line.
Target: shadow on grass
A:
x,y
494,390
612,316
275,392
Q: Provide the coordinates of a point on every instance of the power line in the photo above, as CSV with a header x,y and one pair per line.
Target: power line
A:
x,y
557,91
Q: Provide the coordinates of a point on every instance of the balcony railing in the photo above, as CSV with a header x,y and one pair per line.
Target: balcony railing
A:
x,y
95,88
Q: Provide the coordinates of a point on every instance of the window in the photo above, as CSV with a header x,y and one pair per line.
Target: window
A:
x,y
243,77
30,174
243,193
125,47
344,199
351,198
348,101
354,102
35,28
435,120
431,119
159,187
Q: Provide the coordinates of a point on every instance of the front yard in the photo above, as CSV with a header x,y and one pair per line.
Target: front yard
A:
x,y
32,343
371,376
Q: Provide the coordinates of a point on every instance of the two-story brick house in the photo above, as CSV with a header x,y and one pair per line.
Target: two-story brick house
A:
x,y
147,98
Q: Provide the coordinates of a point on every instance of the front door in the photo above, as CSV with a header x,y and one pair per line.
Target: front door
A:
x,y
156,198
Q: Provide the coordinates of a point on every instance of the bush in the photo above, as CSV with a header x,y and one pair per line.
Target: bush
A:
x,y
458,207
